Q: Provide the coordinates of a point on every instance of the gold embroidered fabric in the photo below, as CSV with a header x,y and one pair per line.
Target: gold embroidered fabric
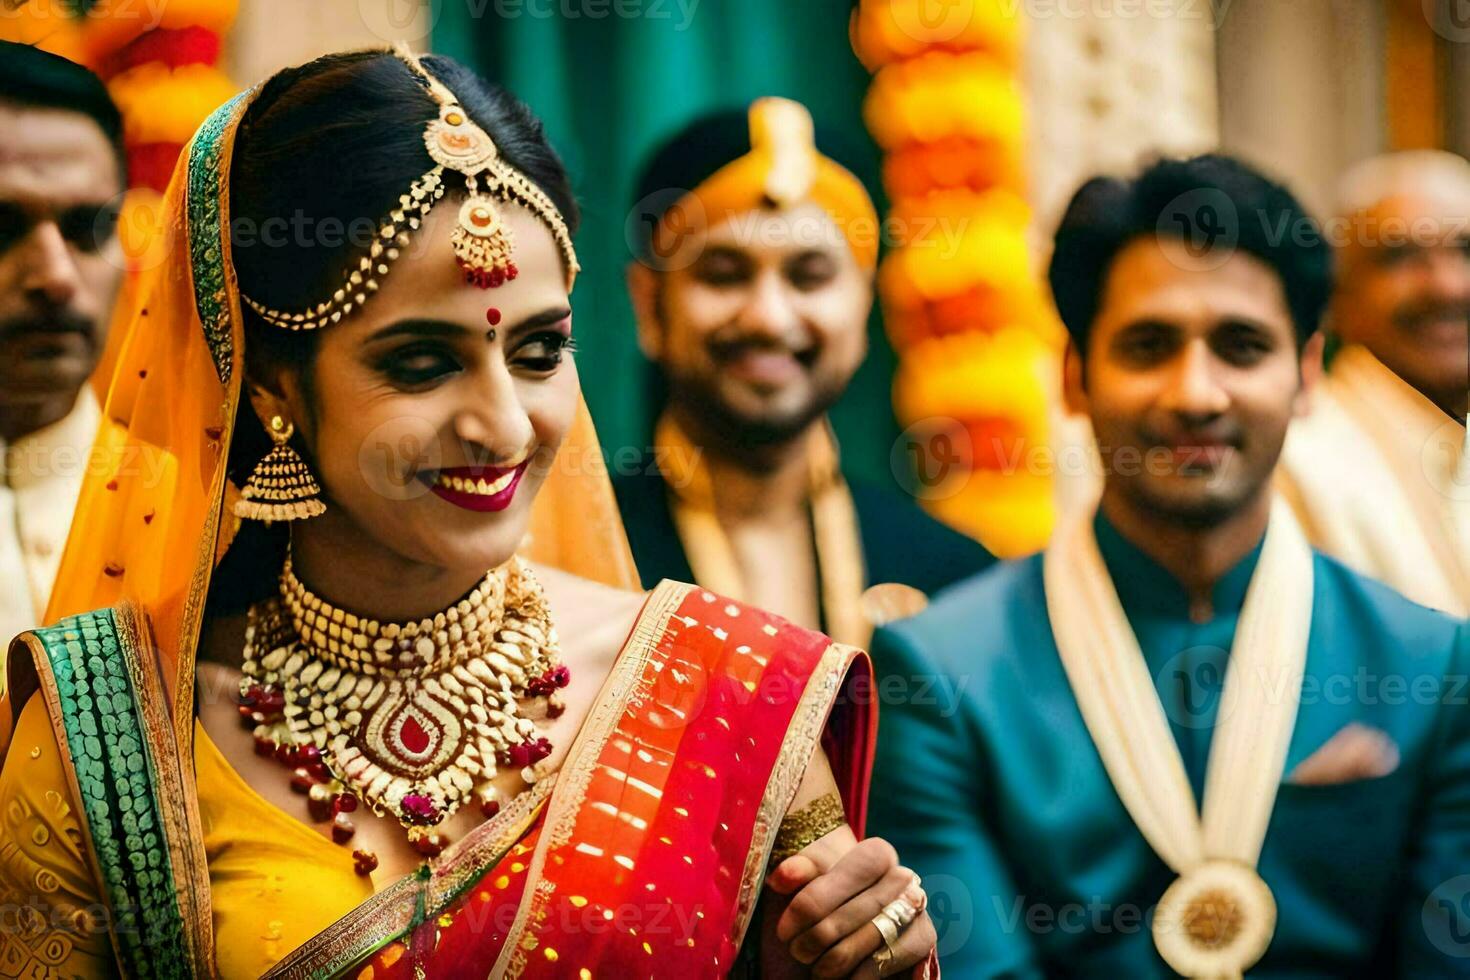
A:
x,y
801,827
57,926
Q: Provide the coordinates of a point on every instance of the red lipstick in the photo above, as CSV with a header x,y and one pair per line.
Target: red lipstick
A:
x,y
478,488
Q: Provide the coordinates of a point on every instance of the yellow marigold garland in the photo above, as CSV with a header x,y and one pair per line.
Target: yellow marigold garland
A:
x,y
978,345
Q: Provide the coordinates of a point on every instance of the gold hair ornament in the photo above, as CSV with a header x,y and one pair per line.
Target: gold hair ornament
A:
x,y
482,240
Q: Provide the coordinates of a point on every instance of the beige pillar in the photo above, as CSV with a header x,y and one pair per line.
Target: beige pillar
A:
x,y
273,34
1301,89
1109,84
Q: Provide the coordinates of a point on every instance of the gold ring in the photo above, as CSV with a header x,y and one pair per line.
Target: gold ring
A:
x,y
888,929
899,912
883,959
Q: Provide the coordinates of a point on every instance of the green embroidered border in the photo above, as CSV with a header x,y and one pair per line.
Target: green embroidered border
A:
x,y
206,156
119,795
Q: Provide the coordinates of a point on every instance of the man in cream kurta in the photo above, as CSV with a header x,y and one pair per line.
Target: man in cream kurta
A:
x,y
1378,473
40,479
62,175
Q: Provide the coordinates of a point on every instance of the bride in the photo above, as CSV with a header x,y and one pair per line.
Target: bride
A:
x,y
291,726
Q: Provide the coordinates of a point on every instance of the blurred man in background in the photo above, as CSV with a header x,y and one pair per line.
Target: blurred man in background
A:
x,y
61,181
1378,473
752,294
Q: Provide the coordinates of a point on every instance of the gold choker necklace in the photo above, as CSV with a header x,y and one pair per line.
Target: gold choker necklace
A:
x,y
413,719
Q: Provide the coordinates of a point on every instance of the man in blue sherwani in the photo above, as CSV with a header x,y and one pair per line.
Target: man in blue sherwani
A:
x,y
1180,741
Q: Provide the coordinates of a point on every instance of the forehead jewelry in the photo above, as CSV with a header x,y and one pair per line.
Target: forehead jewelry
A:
x,y
482,240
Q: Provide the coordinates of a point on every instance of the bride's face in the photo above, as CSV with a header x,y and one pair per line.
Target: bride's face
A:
x,y
440,406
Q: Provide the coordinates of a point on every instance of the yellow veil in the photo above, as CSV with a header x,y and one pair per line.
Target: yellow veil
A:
x,y
153,519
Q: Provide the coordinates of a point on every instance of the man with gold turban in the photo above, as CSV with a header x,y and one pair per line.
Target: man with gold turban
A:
x,y
752,289
1379,474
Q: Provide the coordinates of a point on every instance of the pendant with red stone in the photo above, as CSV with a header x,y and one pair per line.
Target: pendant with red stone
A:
x,y
364,862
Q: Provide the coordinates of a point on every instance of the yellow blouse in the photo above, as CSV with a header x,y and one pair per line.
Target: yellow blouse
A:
x,y
254,850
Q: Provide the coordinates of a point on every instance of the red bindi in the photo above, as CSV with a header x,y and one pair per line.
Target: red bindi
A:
x,y
492,316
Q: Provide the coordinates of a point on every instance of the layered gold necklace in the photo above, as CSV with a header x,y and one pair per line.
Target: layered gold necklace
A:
x,y
412,719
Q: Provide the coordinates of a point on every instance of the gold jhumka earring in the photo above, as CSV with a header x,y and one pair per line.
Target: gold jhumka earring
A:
x,y
281,487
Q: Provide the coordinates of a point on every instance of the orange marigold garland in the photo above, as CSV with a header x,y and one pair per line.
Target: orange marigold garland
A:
x,y
978,347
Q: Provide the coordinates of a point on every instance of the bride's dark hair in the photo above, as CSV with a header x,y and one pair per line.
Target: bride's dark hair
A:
x,y
321,157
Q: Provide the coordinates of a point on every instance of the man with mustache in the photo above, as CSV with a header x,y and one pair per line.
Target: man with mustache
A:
x,y
1379,472
62,174
1180,741
752,288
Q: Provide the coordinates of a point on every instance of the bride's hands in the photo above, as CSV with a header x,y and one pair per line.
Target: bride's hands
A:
x,y
838,886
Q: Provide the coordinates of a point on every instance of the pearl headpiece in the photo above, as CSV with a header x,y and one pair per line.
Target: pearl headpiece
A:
x,y
483,242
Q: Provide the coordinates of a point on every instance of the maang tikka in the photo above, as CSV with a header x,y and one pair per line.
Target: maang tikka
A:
x,y
482,240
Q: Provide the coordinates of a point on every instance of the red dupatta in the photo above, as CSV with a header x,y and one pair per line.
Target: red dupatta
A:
x,y
648,855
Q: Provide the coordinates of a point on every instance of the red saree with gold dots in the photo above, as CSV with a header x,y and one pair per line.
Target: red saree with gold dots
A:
x,y
644,857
